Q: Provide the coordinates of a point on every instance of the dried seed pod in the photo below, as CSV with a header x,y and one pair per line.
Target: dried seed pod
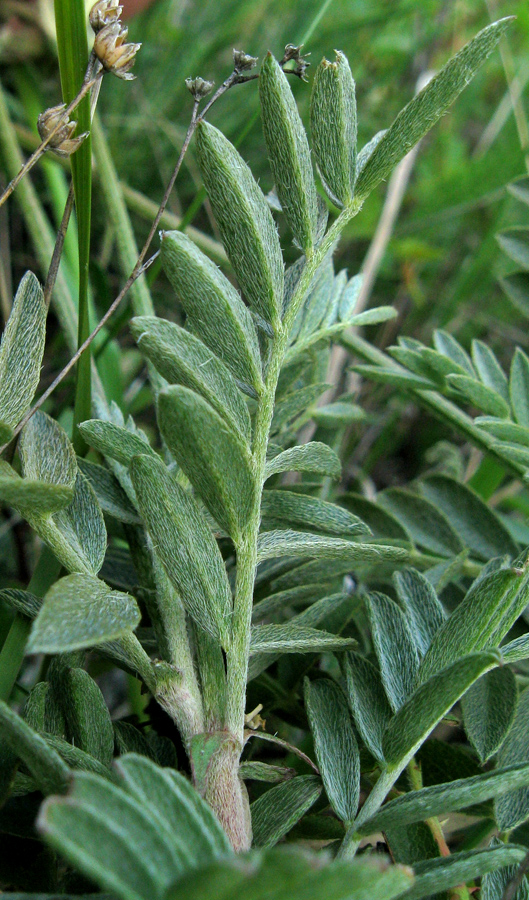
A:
x,y
199,87
62,143
301,63
112,51
103,13
242,62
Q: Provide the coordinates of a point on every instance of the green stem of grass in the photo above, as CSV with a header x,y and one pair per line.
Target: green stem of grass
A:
x,y
72,43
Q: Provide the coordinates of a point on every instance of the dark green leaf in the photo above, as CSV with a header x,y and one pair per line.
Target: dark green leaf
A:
x,y
248,230
295,403
427,107
292,638
312,457
301,595
183,359
519,188
489,369
333,415
51,774
110,495
381,523
334,127
214,458
82,529
46,453
81,611
278,810
446,344
494,884
274,544
519,387
310,512
216,311
414,721
76,758
512,809
427,526
369,704
424,609
185,545
304,632
488,711
289,153
260,771
515,650
509,432
87,717
515,243
516,286
21,353
32,499
417,806
478,394
335,745
433,876
476,524
21,601
472,623
114,441
395,648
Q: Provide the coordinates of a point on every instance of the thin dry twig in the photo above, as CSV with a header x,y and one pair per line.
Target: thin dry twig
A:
x,y
57,250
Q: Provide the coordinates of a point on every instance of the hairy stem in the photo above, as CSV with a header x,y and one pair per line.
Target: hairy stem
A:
x,y
238,656
352,839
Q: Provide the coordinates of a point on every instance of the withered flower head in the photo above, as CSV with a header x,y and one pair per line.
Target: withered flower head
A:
x,y
243,62
113,53
103,13
294,54
62,143
199,87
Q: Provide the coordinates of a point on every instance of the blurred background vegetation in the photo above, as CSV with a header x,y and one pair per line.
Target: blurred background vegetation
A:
x,y
441,264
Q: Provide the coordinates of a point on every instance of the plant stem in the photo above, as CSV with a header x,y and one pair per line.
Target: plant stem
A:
x,y
12,653
238,655
416,784
352,839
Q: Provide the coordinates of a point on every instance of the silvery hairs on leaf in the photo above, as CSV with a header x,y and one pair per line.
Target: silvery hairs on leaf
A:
x,y
334,128
248,230
289,153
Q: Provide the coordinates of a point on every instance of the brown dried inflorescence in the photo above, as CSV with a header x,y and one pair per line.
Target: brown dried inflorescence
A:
x,y
112,51
63,143
103,13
